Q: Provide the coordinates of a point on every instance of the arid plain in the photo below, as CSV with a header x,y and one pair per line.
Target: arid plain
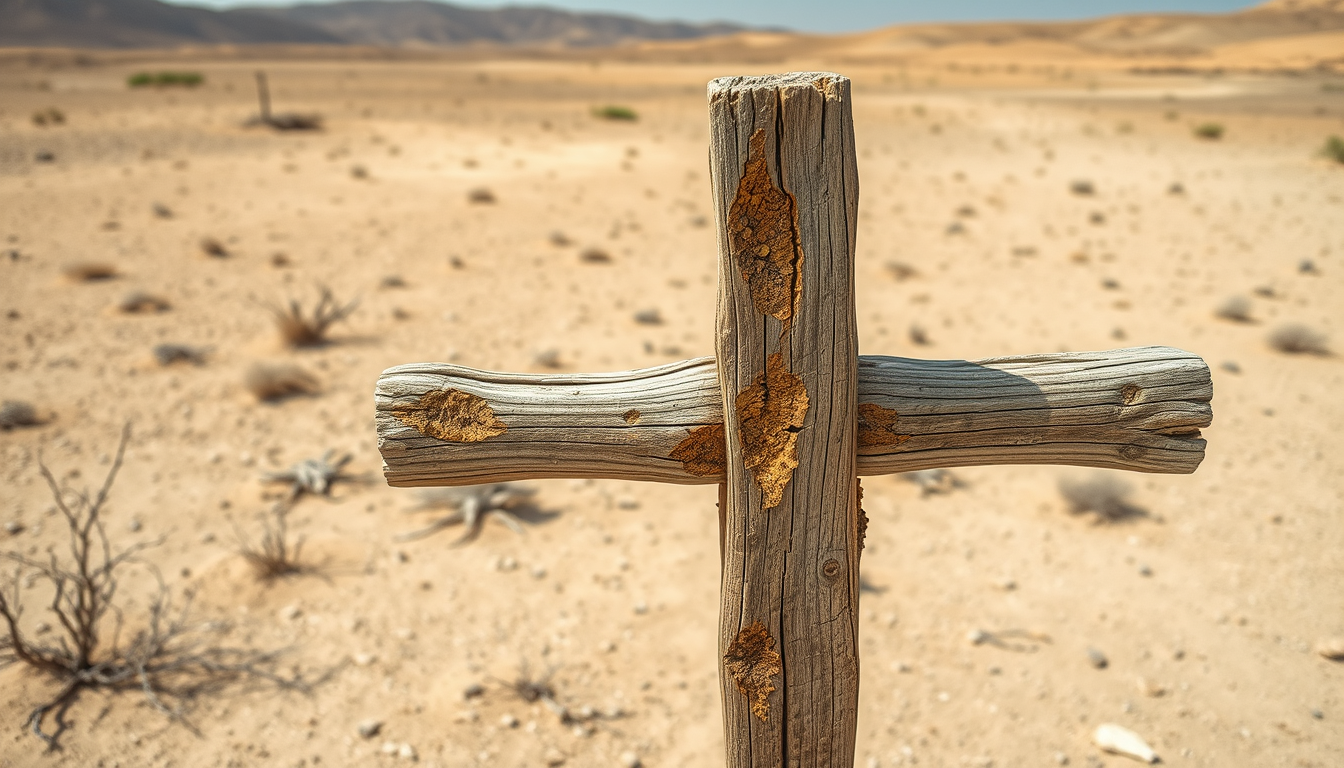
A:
x,y
977,238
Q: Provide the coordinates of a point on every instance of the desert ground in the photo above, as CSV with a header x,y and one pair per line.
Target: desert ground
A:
x,y
1208,603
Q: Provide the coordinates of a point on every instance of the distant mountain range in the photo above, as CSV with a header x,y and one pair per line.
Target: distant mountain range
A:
x,y
150,23
426,24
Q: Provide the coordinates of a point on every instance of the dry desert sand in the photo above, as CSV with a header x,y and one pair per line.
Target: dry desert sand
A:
x,y
1207,607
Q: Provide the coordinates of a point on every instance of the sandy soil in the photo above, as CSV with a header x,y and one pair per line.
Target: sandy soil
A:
x,y
1207,608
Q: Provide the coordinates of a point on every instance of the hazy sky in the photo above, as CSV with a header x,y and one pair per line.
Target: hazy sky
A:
x,y
841,15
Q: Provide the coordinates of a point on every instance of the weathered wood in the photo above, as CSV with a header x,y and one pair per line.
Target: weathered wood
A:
x,y
785,183
1066,408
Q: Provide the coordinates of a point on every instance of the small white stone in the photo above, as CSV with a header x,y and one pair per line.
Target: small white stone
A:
x,y
406,633
641,608
407,752
13,527
290,612
367,729
134,525
365,659
554,757
539,572
389,748
508,721
506,564
630,760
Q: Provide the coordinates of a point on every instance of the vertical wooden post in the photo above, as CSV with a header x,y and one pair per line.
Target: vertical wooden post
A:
x,y
786,197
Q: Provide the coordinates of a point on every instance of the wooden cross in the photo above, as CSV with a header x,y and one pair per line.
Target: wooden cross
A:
x,y
788,415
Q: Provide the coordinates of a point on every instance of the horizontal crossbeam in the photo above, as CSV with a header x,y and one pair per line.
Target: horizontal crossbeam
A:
x,y
1134,409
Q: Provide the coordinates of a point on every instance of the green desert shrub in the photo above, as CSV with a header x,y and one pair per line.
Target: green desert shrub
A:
x,y
615,112
165,79
1334,149
1209,131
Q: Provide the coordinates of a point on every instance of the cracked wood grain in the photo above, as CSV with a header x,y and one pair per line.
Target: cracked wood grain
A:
x,y
1063,408
785,188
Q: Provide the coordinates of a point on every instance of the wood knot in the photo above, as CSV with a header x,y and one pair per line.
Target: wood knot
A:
x,y
1132,452
1130,393
631,416
831,568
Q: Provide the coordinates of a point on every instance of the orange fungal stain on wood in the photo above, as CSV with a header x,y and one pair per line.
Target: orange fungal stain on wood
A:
x,y
452,415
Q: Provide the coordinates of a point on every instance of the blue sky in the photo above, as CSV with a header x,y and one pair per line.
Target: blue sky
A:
x,y
843,15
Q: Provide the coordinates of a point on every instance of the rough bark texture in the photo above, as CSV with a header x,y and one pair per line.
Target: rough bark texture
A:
x,y
1134,409
785,190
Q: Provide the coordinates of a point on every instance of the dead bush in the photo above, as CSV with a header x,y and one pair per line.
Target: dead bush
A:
x,y
1298,339
141,302
16,413
213,248
169,660
302,329
270,382
167,354
89,271
273,556
1104,495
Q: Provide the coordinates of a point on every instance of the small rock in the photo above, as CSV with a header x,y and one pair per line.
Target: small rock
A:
x,y
473,690
290,612
389,748
641,608
554,757
1317,714
365,659
1149,688
367,729
1061,758
1097,659
1119,740
1082,187
630,760
627,503
506,564
407,752
508,721
538,571
13,527
405,633
1331,648
134,525
649,317
1231,366
977,637
1144,570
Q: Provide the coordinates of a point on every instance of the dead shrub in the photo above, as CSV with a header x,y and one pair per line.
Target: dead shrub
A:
x,y
271,382
169,660
273,556
16,413
213,248
141,302
1298,339
595,256
167,354
1104,495
301,329
89,271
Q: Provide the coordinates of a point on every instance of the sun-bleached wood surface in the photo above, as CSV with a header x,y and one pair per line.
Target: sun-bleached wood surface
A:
x,y
1064,408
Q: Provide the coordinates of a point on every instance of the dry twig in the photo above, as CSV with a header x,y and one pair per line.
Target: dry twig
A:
x,y
169,660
